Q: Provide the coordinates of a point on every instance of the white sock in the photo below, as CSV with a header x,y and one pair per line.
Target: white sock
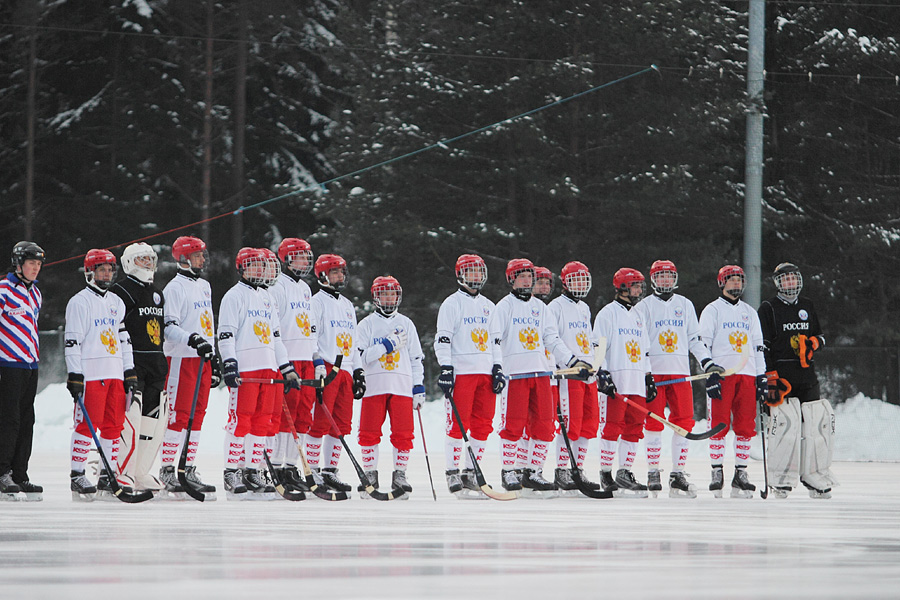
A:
x,y
81,446
581,449
741,451
680,447
171,446
562,453
627,454
234,450
401,459
313,451
477,449
369,457
332,449
509,451
452,451
193,444
607,454
653,440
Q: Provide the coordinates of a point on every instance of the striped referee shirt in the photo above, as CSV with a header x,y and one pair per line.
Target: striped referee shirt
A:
x,y
20,305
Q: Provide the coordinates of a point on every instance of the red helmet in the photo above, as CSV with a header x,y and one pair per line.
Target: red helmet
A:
x,y
93,259
625,278
325,264
663,266
543,273
387,294
272,267
290,250
543,290
182,249
471,271
729,271
576,279
516,266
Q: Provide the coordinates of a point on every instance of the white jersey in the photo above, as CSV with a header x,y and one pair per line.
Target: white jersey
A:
x,y
731,330
248,329
335,328
295,313
395,372
673,330
573,322
626,346
97,344
465,339
526,330
188,309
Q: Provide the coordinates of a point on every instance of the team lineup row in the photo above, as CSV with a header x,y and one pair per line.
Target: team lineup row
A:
x,y
141,363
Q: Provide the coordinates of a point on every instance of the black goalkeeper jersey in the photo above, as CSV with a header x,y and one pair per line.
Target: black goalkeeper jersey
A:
x,y
782,323
144,322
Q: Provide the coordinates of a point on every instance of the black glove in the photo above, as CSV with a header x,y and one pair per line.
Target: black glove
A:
x,y
585,368
445,380
714,386
762,388
231,373
204,349
359,384
288,373
215,377
130,381
651,387
605,383
498,381
75,385
710,367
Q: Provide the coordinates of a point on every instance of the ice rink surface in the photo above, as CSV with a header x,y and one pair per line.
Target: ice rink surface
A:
x,y
846,547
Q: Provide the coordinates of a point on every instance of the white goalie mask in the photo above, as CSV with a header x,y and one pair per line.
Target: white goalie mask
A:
x,y
139,261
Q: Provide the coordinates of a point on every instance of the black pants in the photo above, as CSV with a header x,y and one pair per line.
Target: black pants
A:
x,y
17,390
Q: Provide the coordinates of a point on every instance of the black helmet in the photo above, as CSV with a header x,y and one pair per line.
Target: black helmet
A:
x,y
788,287
26,251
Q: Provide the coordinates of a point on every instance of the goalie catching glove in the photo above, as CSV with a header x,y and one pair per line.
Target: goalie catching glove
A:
x,y
806,346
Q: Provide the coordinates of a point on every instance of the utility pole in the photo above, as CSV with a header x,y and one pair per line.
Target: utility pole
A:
x,y
753,166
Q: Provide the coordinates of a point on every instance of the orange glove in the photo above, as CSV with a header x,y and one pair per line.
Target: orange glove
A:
x,y
808,345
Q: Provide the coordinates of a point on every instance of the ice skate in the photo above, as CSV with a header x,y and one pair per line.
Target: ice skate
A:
x,y
172,489
781,492
680,487
654,485
257,486
535,486
398,481
291,477
372,476
565,484
105,489
816,493
331,479
193,478
9,490
607,483
82,488
629,487
591,485
454,483
470,489
32,492
234,485
510,480
717,481
740,484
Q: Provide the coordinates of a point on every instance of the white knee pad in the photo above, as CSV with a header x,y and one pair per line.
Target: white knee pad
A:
x,y
817,447
783,451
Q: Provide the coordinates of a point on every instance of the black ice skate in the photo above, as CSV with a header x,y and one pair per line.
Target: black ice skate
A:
x,y
105,490
535,486
234,485
680,487
32,492
172,489
82,488
454,483
629,487
292,479
372,476
717,481
331,479
654,485
470,489
565,484
193,478
740,484
9,490
607,483
257,486
510,480
591,485
398,481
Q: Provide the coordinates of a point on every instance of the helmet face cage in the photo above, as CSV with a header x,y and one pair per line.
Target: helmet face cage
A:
x,y
515,268
296,256
788,280
664,280
387,294
140,253
253,268
271,269
578,283
728,272
471,271
95,259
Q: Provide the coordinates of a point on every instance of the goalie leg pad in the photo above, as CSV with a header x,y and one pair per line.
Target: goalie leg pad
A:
x,y
131,431
817,447
783,444
152,432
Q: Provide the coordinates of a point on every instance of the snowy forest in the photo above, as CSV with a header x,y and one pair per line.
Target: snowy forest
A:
x,y
131,119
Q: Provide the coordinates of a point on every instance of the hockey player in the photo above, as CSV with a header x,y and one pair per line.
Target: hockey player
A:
x,y
730,327
673,329
20,306
626,338
526,330
467,348
335,330
391,354
101,369
543,284
189,338
577,399
145,419
801,438
298,333
251,347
